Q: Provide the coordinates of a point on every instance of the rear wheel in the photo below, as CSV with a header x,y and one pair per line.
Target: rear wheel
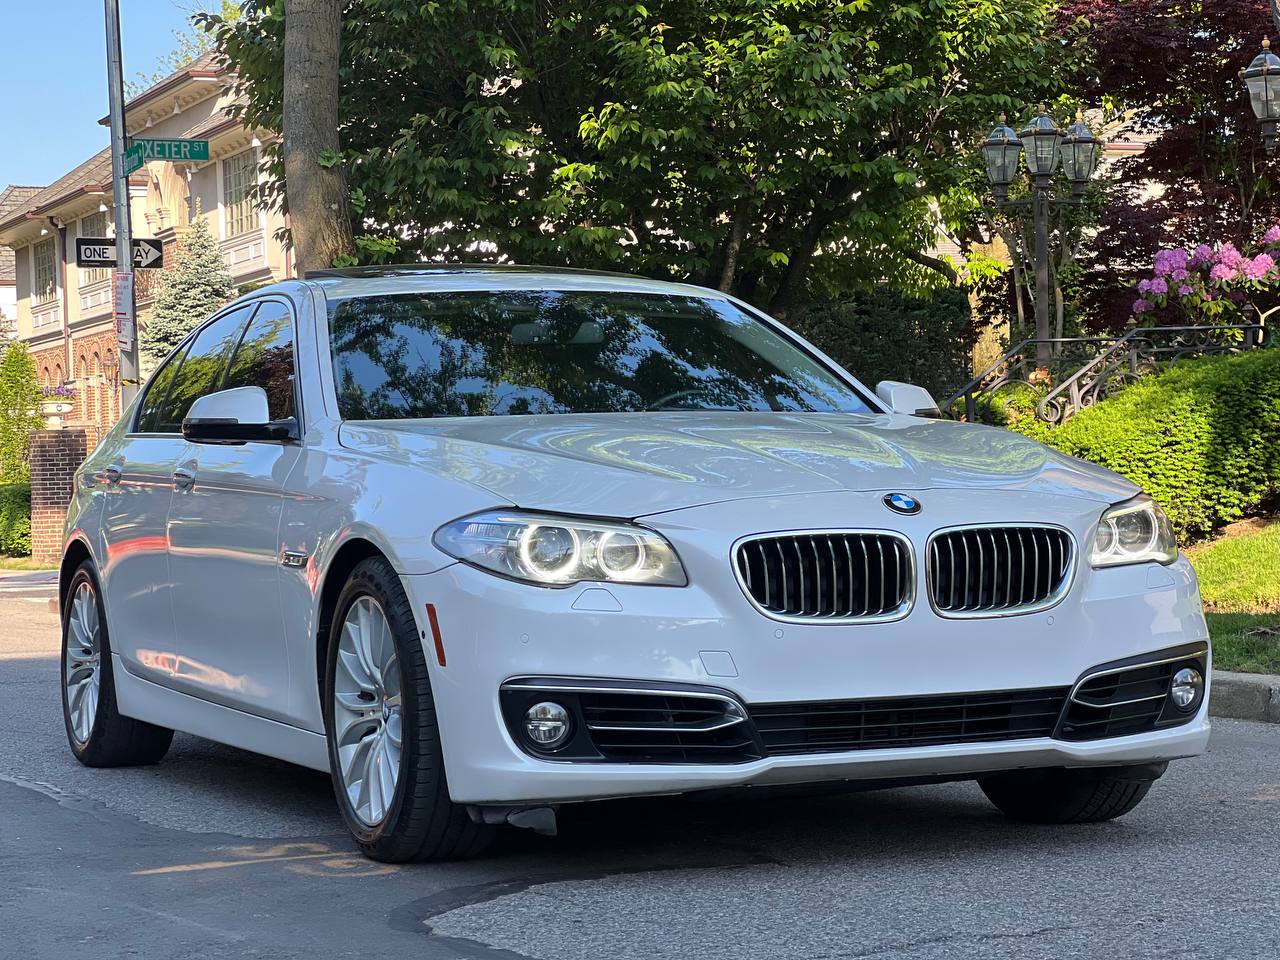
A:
x,y
98,734
1070,796
384,741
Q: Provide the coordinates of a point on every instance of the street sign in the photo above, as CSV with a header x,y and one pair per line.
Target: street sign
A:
x,y
126,328
142,150
101,252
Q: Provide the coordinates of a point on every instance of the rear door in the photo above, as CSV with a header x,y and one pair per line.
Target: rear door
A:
x,y
224,537
141,482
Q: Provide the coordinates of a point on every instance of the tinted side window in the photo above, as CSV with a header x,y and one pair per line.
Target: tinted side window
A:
x,y
202,368
157,391
265,358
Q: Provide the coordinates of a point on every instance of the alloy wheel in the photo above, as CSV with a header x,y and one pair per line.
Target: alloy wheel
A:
x,y
82,651
367,714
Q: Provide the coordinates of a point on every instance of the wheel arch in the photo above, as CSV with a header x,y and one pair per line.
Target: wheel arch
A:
x,y
75,553
344,560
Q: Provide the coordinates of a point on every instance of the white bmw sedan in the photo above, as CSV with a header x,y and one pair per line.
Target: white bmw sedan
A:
x,y
482,542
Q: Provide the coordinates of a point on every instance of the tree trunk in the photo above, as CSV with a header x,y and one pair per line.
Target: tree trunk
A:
x,y
790,291
736,235
319,205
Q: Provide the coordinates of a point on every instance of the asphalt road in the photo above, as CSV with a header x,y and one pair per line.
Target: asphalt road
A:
x,y
216,853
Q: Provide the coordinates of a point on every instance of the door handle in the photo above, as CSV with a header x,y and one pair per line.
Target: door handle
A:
x,y
184,478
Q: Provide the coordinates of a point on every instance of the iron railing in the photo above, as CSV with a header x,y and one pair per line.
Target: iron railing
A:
x,y
1083,370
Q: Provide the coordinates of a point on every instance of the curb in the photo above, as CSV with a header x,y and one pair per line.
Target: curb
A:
x,y
1245,696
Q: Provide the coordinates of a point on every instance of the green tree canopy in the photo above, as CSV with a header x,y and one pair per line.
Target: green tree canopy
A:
x,y
197,285
775,148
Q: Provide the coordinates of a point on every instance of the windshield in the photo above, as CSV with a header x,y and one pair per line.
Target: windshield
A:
x,y
476,354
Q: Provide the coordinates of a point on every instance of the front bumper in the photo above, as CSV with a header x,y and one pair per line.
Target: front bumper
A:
x,y
707,634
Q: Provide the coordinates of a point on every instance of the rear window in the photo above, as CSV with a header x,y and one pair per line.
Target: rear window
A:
x,y
475,354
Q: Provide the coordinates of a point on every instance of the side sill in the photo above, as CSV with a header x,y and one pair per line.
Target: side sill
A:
x,y
144,700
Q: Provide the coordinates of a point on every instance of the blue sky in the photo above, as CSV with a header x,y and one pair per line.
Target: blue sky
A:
x,y
53,69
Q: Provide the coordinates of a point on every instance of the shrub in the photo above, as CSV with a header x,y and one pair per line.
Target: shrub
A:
x,y
15,519
883,335
1202,438
19,410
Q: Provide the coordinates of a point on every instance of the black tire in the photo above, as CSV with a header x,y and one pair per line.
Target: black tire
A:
x,y
114,740
1067,796
421,822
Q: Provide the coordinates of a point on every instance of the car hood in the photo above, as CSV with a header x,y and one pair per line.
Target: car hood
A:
x,y
633,464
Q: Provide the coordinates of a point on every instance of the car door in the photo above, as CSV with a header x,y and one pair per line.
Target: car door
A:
x,y
223,536
140,483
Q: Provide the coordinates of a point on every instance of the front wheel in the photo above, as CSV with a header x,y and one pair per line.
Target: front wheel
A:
x,y
384,742
1070,796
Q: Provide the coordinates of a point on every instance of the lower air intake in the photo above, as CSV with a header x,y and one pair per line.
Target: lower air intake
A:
x,y
837,725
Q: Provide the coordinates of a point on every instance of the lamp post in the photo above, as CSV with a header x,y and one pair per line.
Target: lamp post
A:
x,y
1044,144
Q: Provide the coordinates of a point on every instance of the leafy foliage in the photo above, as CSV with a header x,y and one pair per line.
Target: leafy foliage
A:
x,y
195,287
15,519
1202,438
775,148
20,398
883,335
1171,70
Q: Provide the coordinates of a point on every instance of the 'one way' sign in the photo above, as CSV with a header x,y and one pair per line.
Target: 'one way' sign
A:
x,y
101,252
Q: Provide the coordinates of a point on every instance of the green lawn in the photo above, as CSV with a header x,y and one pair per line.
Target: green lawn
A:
x,y
1241,573
1249,642
1240,584
24,563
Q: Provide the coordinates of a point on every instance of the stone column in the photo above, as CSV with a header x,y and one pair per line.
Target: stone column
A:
x,y
55,457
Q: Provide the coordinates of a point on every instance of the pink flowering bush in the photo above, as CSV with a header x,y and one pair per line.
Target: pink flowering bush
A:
x,y
1208,282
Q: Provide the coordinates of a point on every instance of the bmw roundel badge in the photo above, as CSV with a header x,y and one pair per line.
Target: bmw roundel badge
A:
x,y
901,503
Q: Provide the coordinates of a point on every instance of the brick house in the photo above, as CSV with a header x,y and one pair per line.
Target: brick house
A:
x,y
65,313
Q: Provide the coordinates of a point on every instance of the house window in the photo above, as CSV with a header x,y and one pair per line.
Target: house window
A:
x,y
239,180
94,225
45,272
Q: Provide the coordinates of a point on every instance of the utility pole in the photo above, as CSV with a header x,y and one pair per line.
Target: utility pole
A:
x,y
125,318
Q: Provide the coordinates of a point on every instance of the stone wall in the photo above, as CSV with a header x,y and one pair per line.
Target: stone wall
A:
x,y
55,457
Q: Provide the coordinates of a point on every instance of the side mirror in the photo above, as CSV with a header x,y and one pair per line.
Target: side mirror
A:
x,y
907,398
236,416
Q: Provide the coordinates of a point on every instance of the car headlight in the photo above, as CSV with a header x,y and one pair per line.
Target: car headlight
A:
x,y
1136,531
556,551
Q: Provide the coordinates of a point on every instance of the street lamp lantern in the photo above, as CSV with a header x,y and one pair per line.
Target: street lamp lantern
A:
x,y
1081,151
1263,80
1000,151
1044,143
1042,139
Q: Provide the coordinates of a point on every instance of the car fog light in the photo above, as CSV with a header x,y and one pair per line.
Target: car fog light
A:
x,y
1188,684
547,724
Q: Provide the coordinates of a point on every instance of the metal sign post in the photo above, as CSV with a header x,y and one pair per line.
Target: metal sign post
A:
x,y
126,324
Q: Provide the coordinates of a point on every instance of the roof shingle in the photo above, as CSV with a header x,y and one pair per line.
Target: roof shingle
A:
x,y
12,198
94,172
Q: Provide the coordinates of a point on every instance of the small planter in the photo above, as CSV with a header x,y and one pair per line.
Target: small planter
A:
x,y
54,409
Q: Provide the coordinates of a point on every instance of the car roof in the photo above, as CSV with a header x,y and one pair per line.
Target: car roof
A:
x,y
339,284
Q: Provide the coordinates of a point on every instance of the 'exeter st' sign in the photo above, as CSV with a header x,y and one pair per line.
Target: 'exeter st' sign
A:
x,y
143,150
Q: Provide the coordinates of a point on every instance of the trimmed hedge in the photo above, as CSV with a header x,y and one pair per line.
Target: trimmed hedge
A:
x,y
15,519
1202,438
883,335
